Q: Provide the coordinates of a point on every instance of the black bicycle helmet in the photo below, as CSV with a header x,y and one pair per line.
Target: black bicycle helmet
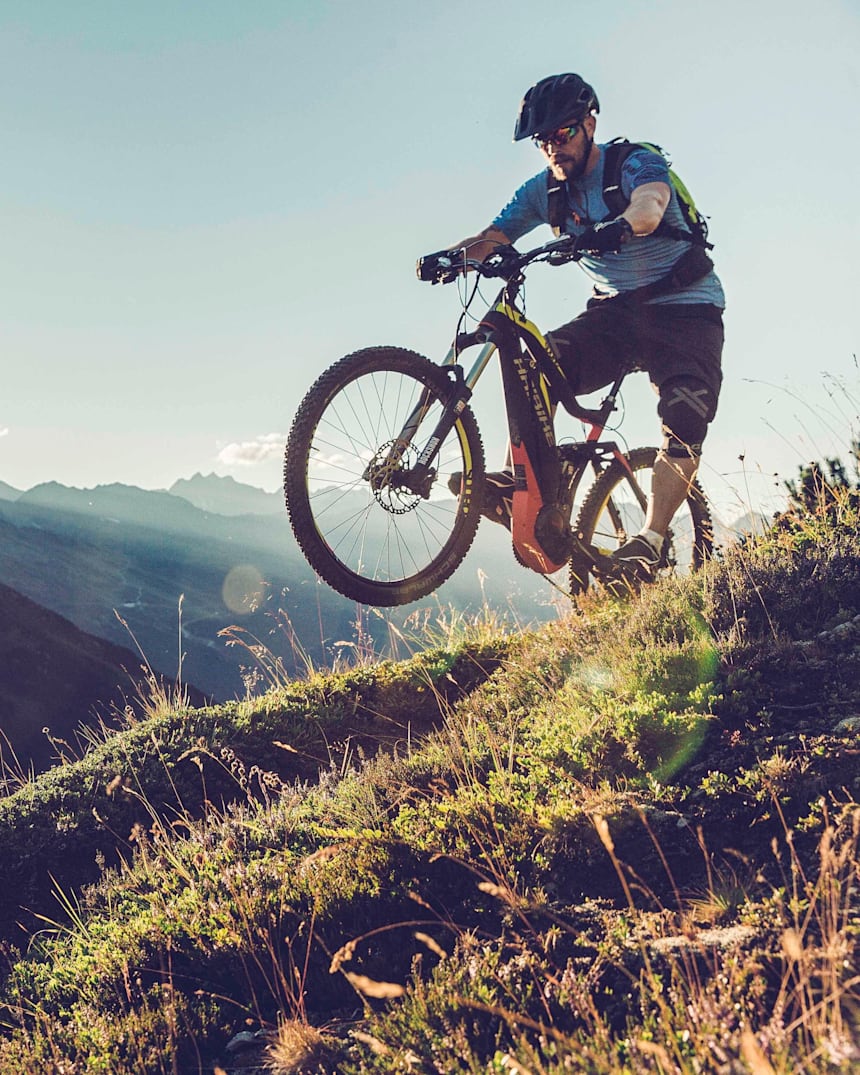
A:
x,y
551,102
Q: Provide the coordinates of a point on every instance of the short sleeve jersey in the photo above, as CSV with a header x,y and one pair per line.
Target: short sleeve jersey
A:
x,y
641,261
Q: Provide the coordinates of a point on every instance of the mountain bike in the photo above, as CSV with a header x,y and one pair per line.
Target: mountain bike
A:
x,y
384,464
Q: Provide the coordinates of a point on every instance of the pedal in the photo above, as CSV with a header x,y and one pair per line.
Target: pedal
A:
x,y
587,559
617,579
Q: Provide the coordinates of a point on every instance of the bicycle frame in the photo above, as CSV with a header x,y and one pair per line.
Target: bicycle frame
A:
x,y
541,513
385,438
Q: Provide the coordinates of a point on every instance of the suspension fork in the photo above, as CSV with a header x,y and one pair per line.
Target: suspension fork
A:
x,y
419,478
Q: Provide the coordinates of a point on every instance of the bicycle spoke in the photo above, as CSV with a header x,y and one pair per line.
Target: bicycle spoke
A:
x,y
365,507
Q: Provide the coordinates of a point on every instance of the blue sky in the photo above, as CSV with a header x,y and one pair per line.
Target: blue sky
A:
x,y
205,204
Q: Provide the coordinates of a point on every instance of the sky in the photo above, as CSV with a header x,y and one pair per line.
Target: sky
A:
x,y
204,204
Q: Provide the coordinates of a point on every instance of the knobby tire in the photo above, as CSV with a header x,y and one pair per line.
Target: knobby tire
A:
x,y
691,536
380,545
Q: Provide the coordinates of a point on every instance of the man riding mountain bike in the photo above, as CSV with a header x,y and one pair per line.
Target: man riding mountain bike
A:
x,y
657,302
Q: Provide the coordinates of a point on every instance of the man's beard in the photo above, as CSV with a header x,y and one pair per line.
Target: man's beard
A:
x,y
573,170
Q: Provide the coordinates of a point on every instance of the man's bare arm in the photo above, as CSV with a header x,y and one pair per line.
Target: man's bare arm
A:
x,y
647,205
479,246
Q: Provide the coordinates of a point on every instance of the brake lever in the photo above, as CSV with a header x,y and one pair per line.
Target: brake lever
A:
x,y
563,251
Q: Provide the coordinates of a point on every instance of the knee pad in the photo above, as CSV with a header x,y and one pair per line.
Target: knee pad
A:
x,y
687,406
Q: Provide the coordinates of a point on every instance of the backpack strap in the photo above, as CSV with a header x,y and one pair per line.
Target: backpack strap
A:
x,y
556,203
694,264
615,154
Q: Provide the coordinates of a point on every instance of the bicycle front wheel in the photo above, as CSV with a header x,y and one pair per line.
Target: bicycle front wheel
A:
x,y
615,508
365,525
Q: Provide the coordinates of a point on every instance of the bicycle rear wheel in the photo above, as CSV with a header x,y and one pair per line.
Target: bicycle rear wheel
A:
x,y
358,518
615,507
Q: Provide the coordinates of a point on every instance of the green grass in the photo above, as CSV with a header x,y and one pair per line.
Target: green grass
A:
x,y
624,842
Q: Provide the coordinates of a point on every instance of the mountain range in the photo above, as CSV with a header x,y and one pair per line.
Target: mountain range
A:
x,y
226,496
162,565
165,572
179,566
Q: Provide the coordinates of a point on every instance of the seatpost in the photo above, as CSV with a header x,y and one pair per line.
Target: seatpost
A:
x,y
609,401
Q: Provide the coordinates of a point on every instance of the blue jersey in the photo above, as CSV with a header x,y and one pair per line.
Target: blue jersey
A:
x,y
643,260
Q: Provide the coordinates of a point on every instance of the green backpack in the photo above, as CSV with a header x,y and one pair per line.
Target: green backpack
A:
x,y
616,153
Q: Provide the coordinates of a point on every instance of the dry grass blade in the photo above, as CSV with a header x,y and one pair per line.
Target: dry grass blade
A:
x,y
295,1047
753,1054
377,990
430,943
379,1048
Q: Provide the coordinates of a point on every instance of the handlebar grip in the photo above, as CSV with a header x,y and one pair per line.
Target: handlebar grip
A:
x,y
441,267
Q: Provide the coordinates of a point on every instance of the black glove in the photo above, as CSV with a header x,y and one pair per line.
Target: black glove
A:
x,y
504,261
441,267
607,237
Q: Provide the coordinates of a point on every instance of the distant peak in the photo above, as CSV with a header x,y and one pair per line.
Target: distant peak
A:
x,y
224,495
199,477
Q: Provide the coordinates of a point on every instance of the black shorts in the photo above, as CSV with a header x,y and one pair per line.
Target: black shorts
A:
x,y
679,346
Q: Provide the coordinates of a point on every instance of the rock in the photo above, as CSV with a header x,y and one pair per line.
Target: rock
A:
x,y
244,1054
725,937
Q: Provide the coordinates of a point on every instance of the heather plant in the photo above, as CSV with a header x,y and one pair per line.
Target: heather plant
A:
x,y
625,841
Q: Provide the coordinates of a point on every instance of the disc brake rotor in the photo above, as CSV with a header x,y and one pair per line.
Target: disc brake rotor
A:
x,y
387,472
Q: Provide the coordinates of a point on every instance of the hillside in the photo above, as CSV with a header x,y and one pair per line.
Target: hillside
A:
x,y
626,841
57,678
84,553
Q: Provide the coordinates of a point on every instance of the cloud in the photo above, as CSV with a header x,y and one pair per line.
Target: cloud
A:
x,y
247,453
4,431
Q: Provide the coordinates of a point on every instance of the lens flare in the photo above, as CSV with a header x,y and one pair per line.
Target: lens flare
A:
x,y
243,589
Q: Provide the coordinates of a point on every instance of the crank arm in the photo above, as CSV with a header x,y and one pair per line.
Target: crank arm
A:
x,y
587,559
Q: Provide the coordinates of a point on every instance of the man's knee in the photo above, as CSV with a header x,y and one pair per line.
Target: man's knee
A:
x,y
687,408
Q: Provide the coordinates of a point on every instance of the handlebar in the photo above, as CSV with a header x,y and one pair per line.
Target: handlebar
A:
x,y
508,263
505,262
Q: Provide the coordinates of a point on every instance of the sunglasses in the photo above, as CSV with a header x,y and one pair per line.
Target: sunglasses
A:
x,y
558,138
